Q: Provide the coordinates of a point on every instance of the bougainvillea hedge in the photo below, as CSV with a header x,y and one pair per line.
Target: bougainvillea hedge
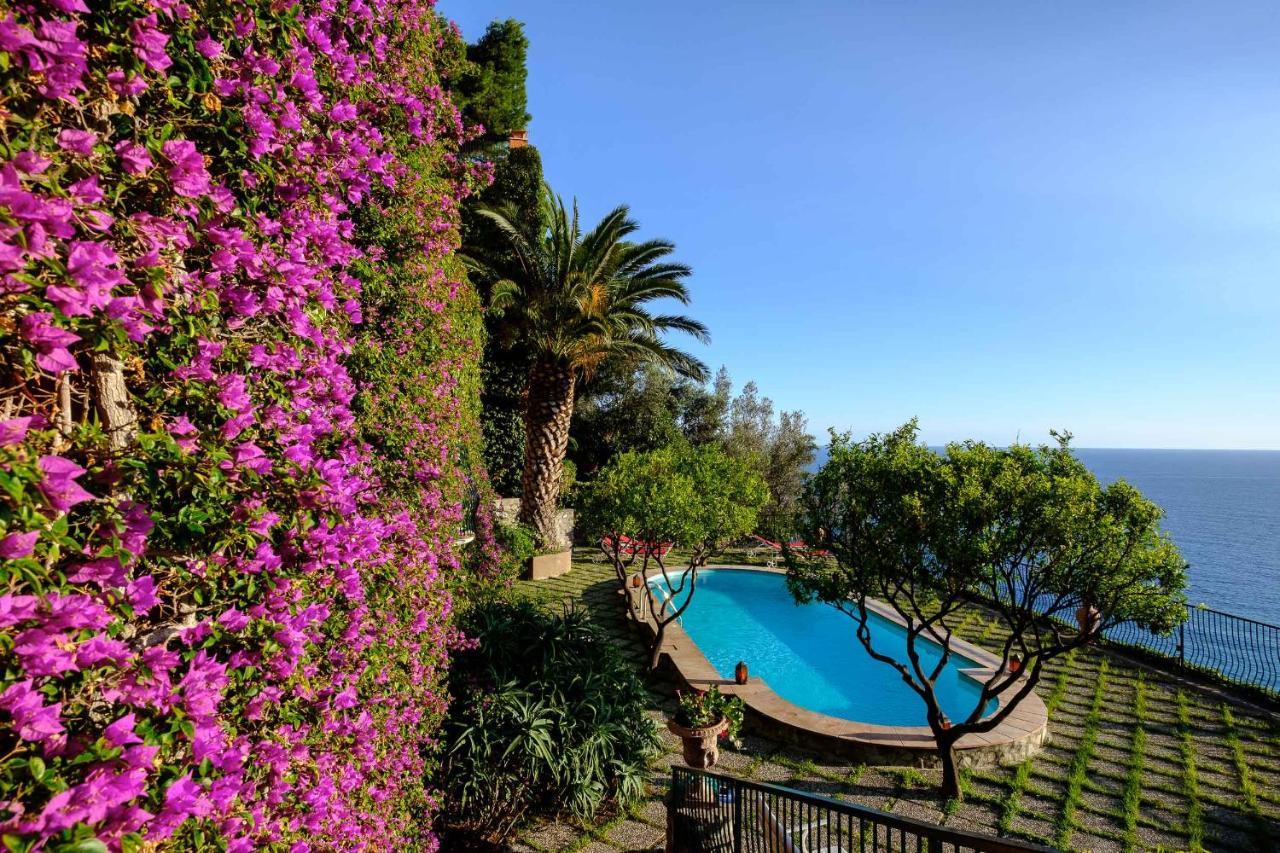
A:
x,y
237,384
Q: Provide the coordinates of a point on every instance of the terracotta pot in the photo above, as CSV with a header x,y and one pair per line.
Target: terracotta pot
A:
x,y
1015,664
740,674
635,581
701,747
1088,617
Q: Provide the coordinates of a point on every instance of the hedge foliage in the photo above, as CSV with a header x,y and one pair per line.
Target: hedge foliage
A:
x,y
239,381
518,180
493,87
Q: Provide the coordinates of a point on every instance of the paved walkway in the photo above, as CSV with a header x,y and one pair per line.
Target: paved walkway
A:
x,y
1138,760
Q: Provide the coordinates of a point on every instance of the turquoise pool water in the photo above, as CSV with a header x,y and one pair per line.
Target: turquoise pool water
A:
x,y
810,654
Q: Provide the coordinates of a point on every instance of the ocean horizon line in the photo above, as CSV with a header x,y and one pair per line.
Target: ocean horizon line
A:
x,y
1132,448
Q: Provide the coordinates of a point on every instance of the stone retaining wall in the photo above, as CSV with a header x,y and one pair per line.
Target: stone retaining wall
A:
x,y
507,510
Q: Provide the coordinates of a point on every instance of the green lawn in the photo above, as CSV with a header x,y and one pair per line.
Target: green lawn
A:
x,y
1138,760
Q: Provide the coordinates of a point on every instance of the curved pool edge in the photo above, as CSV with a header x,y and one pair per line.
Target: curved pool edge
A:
x,y
1016,738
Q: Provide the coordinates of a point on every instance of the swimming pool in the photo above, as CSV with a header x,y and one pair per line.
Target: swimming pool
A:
x,y
809,654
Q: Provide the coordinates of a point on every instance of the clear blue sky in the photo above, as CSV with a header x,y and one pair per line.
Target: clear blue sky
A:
x,y
1000,217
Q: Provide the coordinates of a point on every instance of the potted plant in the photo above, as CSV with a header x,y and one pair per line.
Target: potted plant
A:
x,y
1088,618
701,717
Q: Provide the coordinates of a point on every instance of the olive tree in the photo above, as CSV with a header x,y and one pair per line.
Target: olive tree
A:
x,y
1028,531
781,448
644,508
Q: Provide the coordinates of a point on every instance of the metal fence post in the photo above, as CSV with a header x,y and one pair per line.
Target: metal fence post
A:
x,y
737,816
1182,644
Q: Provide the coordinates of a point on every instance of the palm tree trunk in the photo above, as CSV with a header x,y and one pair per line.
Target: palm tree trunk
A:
x,y
546,419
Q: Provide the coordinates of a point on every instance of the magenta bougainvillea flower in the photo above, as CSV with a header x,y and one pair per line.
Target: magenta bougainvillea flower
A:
x,y
239,624
126,85
14,430
78,141
149,42
209,48
33,720
105,572
59,485
141,593
50,342
186,169
133,157
14,546
94,272
121,733
53,49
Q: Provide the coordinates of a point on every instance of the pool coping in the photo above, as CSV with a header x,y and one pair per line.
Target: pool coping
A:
x,y
1016,737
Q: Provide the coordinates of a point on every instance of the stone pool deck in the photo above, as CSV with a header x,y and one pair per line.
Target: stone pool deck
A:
x,y
1016,738
1138,759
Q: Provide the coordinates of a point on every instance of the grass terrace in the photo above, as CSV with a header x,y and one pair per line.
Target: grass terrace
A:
x,y
1138,760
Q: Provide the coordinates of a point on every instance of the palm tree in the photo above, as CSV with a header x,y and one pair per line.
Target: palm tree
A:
x,y
574,300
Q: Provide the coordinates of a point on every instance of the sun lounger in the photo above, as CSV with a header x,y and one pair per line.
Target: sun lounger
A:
x,y
781,839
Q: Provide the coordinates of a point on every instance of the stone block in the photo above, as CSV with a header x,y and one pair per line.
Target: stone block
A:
x,y
544,566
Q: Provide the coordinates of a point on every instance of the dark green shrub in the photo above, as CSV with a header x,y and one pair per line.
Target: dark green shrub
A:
x,y
568,483
547,717
493,90
495,559
517,180
518,543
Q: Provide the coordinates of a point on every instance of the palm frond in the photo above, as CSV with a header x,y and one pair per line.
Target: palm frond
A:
x,y
635,258
505,294
648,350
581,298
680,323
636,292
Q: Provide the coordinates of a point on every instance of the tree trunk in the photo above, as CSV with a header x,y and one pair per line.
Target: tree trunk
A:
x,y
547,414
655,653
65,422
111,398
950,772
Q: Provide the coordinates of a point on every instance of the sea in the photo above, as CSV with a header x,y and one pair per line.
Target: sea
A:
x,y
1222,508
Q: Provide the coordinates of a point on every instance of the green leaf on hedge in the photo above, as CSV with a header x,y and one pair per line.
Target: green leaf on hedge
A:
x,y
84,845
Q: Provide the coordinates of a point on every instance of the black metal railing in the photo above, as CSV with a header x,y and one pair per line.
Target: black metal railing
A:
x,y
1241,650
713,812
1229,648
466,531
